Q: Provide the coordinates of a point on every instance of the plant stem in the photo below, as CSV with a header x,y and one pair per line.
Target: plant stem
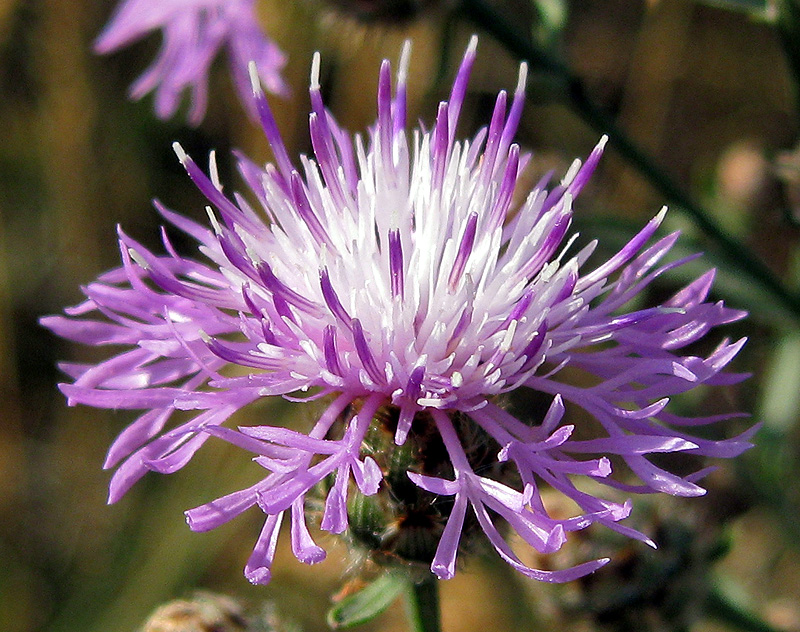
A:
x,y
722,609
482,14
422,600
787,24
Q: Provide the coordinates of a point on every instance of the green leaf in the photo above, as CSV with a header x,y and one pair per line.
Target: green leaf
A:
x,y
548,21
781,391
367,603
552,13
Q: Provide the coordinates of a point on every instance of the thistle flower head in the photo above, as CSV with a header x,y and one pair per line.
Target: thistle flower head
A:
x,y
193,32
387,277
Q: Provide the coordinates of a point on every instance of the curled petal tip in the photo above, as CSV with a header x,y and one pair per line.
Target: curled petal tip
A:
x,y
258,576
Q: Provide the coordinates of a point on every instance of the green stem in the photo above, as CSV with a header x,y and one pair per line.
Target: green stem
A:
x,y
722,609
422,601
483,15
787,24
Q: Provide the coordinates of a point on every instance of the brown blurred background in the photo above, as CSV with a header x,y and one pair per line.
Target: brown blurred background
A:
x,y
706,90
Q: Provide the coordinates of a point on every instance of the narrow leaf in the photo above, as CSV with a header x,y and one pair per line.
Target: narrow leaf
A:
x,y
367,603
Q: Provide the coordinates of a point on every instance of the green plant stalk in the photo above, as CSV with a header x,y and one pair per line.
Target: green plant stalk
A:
x,y
483,15
422,605
722,609
787,24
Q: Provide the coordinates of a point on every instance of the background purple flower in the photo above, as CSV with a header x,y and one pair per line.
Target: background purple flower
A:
x,y
395,274
194,31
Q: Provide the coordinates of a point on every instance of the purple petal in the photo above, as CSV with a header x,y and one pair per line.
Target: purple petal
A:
x,y
259,567
303,546
444,560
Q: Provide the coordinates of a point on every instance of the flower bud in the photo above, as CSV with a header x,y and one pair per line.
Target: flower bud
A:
x,y
403,523
204,612
210,612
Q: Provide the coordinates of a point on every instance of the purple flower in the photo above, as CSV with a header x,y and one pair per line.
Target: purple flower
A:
x,y
389,278
194,31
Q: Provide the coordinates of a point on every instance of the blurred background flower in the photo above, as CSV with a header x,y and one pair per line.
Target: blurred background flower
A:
x,y
193,32
704,87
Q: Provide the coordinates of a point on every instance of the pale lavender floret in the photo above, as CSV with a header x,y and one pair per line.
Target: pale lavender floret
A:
x,y
388,274
194,31
287,455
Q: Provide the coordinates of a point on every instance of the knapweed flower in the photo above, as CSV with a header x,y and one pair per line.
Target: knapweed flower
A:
x,y
391,279
194,31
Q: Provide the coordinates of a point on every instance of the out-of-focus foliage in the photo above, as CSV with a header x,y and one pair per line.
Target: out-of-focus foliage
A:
x,y
706,91
755,7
